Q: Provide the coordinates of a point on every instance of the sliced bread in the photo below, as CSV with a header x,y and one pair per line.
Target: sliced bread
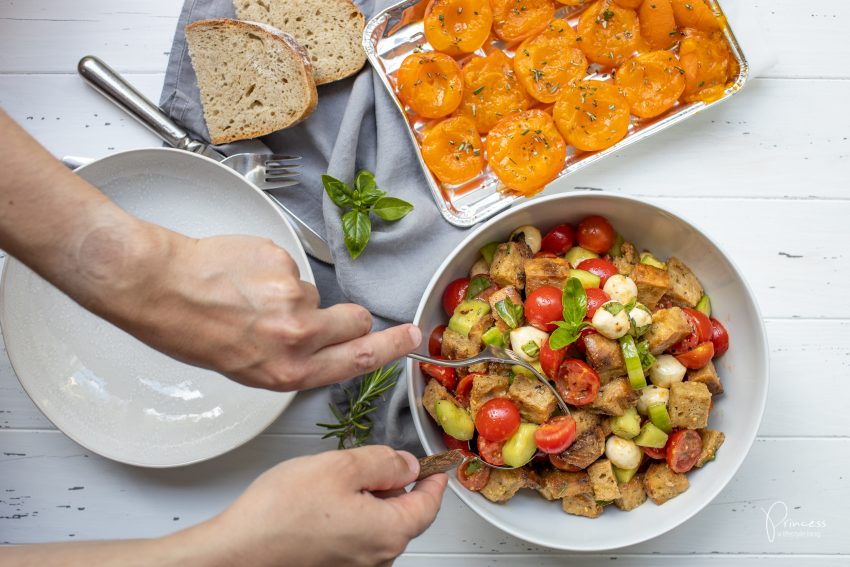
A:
x,y
331,30
254,79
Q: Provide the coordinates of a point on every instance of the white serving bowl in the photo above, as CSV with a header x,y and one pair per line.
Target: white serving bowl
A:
x,y
743,369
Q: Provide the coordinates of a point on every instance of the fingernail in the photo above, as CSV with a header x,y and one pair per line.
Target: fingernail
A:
x,y
412,461
415,335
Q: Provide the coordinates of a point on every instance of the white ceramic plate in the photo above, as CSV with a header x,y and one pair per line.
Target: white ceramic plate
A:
x,y
103,388
743,369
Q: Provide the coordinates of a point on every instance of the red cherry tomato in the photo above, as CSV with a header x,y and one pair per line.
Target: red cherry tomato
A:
x,y
657,454
683,449
452,443
558,240
442,374
580,346
596,234
454,294
561,464
556,435
497,419
435,341
719,338
697,357
700,323
595,298
475,480
600,267
542,254
550,359
577,382
464,387
543,306
490,451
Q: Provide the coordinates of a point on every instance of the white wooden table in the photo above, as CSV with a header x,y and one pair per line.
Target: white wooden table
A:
x,y
768,175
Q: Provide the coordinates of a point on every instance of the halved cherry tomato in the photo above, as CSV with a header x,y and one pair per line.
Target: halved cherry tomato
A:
x,y
549,61
683,449
609,33
543,306
491,90
582,348
497,419
442,374
598,266
652,82
452,443
452,150
577,382
558,240
430,84
697,357
550,360
455,293
464,387
475,480
696,14
592,115
561,464
526,151
457,26
700,323
596,234
556,435
595,298
490,451
657,24
719,338
514,20
657,454
435,341
545,255
707,63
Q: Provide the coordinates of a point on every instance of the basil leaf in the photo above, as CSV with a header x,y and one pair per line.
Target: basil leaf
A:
x,y
339,192
510,313
646,358
356,230
575,303
473,467
531,348
365,188
613,307
476,286
391,208
562,337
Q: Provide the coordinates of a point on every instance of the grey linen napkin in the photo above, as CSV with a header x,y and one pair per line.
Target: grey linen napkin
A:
x,y
355,126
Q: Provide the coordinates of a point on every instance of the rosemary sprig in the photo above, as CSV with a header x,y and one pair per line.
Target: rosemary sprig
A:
x,y
353,428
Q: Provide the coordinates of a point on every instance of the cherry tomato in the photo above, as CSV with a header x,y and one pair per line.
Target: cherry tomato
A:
x,y
556,435
595,298
542,254
464,387
452,443
697,357
435,341
442,374
719,338
657,454
454,294
490,451
543,306
475,480
700,323
577,382
683,450
600,267
596,234
561,464
497,419
558,240
582,348
550,359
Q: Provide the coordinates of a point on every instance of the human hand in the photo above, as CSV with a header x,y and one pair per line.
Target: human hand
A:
x,y
323,510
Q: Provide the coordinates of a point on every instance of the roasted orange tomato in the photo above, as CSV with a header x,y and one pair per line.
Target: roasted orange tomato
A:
x,y
652,82
430,84
707,63
457,26
514,20
452,150
657,23
547,62
526,151
630,4
574,2
696,14
609,33
592,115
491,90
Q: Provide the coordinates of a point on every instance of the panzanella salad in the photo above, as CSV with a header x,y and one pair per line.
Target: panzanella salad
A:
x,y
626,338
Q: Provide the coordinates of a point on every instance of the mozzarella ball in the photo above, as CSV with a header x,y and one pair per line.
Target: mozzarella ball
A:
x,y
641,319
530,235
520,339
611,325
479,268
650,396
620,288
666,371
623,453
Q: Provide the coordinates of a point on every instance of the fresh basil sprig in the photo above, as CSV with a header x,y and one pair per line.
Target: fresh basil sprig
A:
x,y
646,358
510,312
362,199
574,300
476,286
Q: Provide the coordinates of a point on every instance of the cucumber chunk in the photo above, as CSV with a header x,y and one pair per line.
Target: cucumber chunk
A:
x,y
467,314
704,305
455,421
493,336
651,436
624,475
660,418
587,279
650,260
627,425
576,255
521,447
489,250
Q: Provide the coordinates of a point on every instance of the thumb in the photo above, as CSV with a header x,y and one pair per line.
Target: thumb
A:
x,y
418,508
378,467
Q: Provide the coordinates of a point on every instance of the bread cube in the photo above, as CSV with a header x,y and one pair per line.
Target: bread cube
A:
x,y
708,376
669,326
535,401
507,267
614,398
662,484
627,260
546,271
582,505
603,481
632,494
587,447
556,484
434,392
685,289
605,357
504,484
509,292
711,442
689,405
651,282
485,387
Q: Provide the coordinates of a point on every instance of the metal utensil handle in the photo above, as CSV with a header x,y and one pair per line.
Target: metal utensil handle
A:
x,y
314,245
110,84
